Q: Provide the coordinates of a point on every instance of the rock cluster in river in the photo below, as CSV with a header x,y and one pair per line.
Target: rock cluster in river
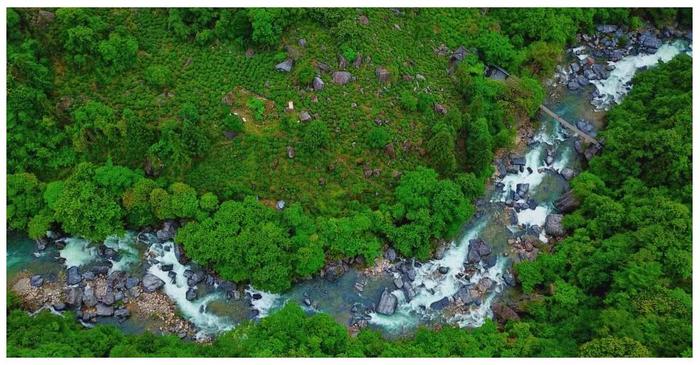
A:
x,y
611,43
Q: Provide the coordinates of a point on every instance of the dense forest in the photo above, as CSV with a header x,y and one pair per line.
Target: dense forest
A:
x,y
124,118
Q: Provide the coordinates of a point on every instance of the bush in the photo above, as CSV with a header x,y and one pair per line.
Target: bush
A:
x,y
408,101
378,137
158,76
233,123
257,107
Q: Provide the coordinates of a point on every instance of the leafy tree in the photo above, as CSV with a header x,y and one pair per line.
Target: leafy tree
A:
x,y
85,209
441,147
378,137
24,199
316,136
257,107
94,130
119,51
408,101
159,76
478,147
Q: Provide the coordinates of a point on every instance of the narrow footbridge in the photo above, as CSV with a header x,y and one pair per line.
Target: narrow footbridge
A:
x,y
586,137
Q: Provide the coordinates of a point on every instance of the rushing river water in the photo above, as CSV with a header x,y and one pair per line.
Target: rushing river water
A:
x,y
212,312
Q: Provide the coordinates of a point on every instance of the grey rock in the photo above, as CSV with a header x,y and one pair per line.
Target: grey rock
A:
x,y
89,299
196,278
440,252
73,276
398,282
180,254
467,295
567,202
291,152
390,254
285,66
304,116
122,313
443,270
517,161
108,298
383,74
318,83
440,304
132,282
103,310
553,225
280,204
522,189
166,267
342,77
41,244
36,281
408,292
74,296
567,173
89,276
509,278
387,303
191,294
151,283
302,42
167,232
440,109
591,151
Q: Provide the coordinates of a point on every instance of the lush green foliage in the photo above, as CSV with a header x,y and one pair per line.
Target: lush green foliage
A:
x,y
621,283
116,119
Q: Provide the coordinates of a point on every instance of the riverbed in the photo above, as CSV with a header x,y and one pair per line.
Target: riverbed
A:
x,y
454,288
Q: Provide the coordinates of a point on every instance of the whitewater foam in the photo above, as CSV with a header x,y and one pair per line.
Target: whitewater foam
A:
x,y
617,85
77,252
195,311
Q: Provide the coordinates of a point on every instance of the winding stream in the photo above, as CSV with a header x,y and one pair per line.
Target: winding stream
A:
x,y
352,298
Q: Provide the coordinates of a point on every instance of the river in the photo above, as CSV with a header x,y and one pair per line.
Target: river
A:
x,y
352,298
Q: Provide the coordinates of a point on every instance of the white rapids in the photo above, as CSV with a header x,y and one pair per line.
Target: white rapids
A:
x,y
615,87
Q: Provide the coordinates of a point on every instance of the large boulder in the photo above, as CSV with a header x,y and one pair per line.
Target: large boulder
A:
x,y
117,279
151,283
36,281
522,189
591,151
73,276
440,304
567,173
503,313
285,66
89,299
196,278
180,254
567,203
304,116
342,77
122,313
467,295
478,249
387,303
318,83
553,225
104,310
167,232
191,294
383,74
390,254
74,296
132,282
